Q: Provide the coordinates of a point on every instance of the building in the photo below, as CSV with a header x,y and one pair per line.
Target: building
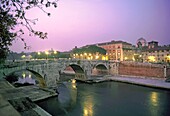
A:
x,y
141,42
155,53
89,52
118,50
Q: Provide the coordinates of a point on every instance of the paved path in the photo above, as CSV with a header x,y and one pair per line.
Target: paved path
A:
x,y
150,82
6,109
10,93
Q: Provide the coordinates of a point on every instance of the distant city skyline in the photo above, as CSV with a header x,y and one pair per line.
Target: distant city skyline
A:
x,y
82,22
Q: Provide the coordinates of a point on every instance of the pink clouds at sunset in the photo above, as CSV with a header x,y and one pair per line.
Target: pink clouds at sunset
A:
x,y
82,22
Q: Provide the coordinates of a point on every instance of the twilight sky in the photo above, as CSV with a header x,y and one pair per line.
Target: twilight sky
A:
x,y
81,22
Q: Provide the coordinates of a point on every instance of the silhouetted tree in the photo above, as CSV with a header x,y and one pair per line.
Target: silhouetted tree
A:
x,y
12,14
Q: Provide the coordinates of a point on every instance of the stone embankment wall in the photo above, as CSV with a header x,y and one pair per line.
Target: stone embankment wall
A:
x,y
142,69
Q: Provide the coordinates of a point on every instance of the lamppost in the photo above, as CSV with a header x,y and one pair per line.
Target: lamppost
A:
x,y
39,53
46,52
55,52
23,57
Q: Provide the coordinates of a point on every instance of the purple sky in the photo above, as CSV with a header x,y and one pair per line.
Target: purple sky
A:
x,y
81,22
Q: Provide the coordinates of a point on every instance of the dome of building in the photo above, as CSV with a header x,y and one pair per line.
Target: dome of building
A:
x,y
141,42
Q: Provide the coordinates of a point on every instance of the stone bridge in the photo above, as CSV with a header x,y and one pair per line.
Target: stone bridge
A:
x,y
50,70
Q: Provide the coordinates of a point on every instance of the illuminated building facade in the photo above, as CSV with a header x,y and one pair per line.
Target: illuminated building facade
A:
x,y
155,53
118,50
90,56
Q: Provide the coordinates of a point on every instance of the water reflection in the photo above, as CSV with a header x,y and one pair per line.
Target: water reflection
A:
x,y
154,105
154,99
107,99
26,78
73,81
88,106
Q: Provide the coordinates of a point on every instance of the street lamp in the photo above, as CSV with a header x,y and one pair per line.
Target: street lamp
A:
x,y
23,56
46,52
55,52
97,57
39,53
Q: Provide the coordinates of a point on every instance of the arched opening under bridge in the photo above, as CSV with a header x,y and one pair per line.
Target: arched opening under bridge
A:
x,y
100,70
25,77
70,72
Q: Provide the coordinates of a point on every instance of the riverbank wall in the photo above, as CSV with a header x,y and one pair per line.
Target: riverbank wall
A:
x,y
143,69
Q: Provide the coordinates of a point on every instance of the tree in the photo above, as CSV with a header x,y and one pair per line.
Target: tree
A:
x,y
12,14
89,49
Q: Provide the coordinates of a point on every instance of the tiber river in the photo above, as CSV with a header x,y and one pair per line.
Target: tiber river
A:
x,y
107,99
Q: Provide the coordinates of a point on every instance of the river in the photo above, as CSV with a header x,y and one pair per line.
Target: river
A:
x,y
107,99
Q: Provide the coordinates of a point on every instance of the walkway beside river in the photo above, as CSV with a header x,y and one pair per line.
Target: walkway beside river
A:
x,y
18,101
150,82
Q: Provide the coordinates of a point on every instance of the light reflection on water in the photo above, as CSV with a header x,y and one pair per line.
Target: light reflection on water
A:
x,y
107,99
154,98
25,77
154,103
88,106
26,80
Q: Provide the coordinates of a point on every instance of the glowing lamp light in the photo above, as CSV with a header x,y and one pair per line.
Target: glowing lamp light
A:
x,y
168,57
133,59
97,57
23,56
29,75
151,58
39,53
126,58
107,58
89,58
46,52
73,81
55,52
23,75
103,58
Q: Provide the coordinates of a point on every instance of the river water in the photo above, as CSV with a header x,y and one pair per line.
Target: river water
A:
x,y
107,99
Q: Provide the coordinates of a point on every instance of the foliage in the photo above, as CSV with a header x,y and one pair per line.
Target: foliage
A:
x,y
51,55
63,55
89,49
12,14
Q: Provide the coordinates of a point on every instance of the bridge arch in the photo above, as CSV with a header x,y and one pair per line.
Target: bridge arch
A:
x,y
78,72
76,68
38,77
100,69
